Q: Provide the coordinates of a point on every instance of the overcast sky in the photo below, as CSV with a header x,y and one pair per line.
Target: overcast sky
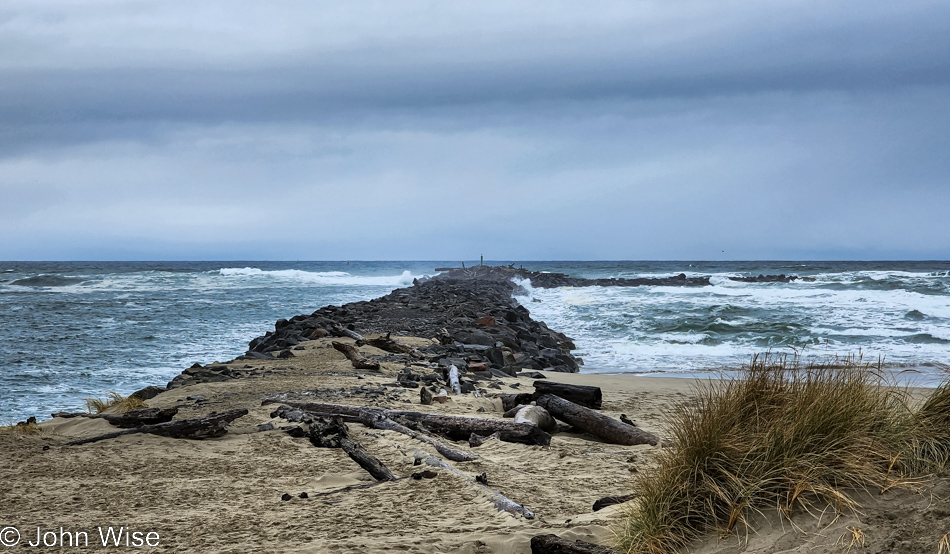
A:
x,y
445,130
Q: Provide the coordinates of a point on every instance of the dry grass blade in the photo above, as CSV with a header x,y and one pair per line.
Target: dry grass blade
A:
x,y
944,546
853,537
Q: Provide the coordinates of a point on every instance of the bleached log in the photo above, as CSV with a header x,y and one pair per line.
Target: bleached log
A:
x,y
454,380
502,503
537,416
511,413
376,420
340,331
454,427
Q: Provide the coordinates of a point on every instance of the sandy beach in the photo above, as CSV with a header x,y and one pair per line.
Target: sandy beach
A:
x,y
224,494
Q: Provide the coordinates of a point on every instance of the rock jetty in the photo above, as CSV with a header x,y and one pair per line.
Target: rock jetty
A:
x,y
469,313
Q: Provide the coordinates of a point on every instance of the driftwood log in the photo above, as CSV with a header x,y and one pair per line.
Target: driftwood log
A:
x,y
597,424
453,427
537,416
582,395
332,433
425,396
206,427
553,544
502,503
478,440
338,331
611,500
132,418
390,344
453,380
511,413
374,419
358,360
509,401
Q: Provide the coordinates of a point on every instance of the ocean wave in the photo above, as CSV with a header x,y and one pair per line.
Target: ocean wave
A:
x,y
46,281
328,278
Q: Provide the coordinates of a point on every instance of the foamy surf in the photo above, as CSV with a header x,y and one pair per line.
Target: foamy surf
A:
x,y
899,316
327,278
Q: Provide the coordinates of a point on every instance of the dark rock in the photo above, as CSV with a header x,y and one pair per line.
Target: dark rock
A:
x,y
285,497
147,393
474,336
496,357
533,375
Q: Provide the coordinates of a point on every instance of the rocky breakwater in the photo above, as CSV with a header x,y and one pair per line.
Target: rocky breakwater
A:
x,y
473,321
554,280
469,313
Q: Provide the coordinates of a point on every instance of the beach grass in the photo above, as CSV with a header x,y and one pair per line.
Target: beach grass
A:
x,y
28,427
786,437
115,403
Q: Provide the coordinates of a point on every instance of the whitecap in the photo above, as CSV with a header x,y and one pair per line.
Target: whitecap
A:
x,y
327,278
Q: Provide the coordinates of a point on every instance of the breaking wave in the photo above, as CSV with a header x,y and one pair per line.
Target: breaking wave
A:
x,y
326,278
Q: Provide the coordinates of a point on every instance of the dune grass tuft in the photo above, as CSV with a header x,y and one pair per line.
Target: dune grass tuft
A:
x,y
28,427
787,437
115,403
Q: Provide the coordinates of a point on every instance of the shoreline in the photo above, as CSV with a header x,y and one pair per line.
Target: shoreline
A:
x,y
243,491
167,485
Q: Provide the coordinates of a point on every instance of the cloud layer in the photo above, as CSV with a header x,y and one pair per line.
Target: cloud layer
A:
x,y
365,130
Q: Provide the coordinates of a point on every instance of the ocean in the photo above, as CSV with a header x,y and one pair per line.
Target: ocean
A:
x,y
74,330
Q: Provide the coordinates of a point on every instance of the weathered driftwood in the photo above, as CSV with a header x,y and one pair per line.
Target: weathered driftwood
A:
x,y
509,401
582,395
478,440
425,396
511,413
205,427
332,433
453,379
502,503
358,360
338,331
597,424
132,418
454,427
537,416
611,500
390,344
553,544
376,420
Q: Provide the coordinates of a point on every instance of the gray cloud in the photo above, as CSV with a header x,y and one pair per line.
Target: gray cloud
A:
x,y
622,130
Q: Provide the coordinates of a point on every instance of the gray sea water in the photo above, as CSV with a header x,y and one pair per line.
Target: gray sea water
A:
x,y
73,330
